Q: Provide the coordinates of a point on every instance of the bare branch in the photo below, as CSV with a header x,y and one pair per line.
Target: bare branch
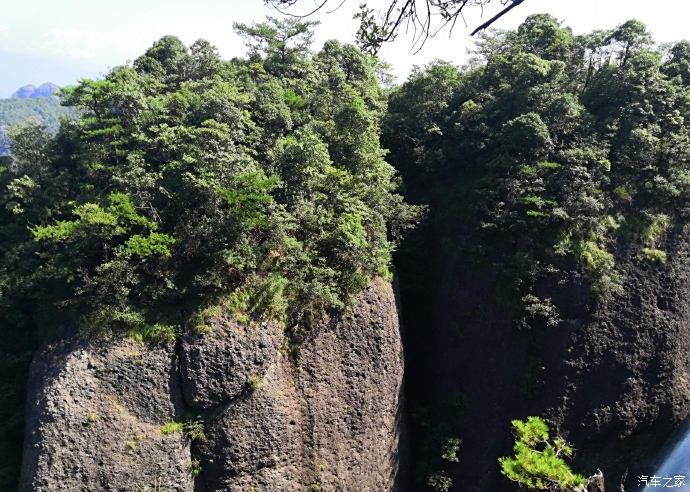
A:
x,y
279,5
438,15
503,12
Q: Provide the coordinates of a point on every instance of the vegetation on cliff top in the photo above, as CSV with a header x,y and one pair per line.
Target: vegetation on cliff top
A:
x,y
550,148
260,185
190,182
545,161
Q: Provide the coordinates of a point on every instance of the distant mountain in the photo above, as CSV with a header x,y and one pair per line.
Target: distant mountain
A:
x,y
32,92
31,103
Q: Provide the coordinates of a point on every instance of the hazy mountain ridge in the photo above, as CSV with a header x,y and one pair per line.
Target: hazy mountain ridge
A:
x,y
30,91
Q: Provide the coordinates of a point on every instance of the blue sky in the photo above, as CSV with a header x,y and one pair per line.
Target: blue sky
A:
x,y
62,41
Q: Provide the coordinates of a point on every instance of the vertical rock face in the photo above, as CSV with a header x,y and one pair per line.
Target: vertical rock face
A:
x,y
323,416
613,378
94,418
326,418
625,382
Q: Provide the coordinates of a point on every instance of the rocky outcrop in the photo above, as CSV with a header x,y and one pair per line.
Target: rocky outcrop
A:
x,y
613,377
324,415
94,418
595,483
623,382
324,419
218,365
32,92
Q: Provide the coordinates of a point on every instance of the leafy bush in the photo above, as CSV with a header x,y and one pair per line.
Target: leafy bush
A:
x,y
450,450
194,430
651,236
196,467
654,255
440,482
171,428
254,383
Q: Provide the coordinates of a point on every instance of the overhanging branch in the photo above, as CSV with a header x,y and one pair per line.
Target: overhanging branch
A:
x,y
439,14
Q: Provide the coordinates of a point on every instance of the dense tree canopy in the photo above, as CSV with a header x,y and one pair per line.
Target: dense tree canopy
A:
x,y
189,179
563,145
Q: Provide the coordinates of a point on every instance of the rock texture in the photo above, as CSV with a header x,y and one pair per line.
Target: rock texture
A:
x,y
218,365
596,482
624,381
325,419
323,416
94,417
612,378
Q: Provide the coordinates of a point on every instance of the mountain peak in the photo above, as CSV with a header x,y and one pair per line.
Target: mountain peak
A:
x,y
30,91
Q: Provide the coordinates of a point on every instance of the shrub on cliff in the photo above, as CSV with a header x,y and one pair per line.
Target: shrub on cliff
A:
x,y
538,462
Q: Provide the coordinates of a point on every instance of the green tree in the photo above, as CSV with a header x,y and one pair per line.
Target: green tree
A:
x,y
543,35
630,36
538,462
679,63
281,43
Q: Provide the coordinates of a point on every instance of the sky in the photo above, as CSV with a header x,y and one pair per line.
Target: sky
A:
x,y
63,41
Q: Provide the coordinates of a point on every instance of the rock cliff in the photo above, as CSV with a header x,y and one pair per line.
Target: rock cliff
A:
x,y
94,418
623,382
612,377
321,416
32,92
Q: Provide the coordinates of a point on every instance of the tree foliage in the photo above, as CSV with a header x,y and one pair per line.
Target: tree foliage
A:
x,y
552,148
178,186
538,462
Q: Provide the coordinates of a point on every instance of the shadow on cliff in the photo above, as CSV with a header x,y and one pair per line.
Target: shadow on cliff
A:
x,y
613,377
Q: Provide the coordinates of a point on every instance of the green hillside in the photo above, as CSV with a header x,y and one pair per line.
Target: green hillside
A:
x,y
15,111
